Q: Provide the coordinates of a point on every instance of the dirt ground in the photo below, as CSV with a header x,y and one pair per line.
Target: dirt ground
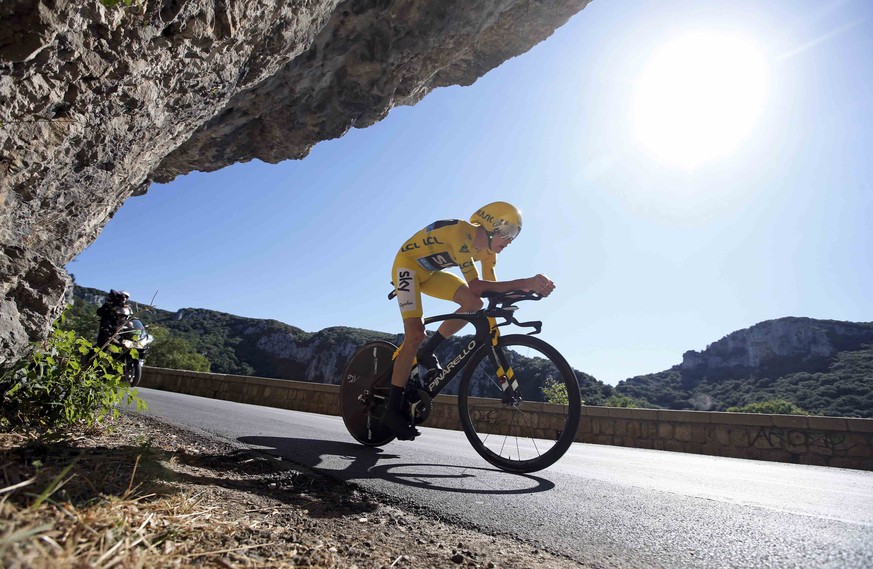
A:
x,y
148,494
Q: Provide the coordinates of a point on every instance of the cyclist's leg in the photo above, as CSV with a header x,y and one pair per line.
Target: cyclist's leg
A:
x,y
448,286
396,417
407,283
468,302
413,330
445,286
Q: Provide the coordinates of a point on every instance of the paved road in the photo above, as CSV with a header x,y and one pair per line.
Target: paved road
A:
x,y
609,506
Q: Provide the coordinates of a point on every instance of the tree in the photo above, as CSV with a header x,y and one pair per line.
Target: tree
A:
x,y
174,352
625,401
81,318
772,407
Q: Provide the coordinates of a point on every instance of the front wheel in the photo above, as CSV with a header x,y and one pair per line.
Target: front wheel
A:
x,y
532,423
132,371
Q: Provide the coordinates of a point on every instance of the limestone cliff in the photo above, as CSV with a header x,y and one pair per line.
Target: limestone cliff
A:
x,y
95,103
798,340
824,366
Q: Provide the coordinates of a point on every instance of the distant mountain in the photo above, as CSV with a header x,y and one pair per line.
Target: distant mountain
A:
x,y
269,348
824,366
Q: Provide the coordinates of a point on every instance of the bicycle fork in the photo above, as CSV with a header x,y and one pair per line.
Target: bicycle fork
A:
x,y
506,377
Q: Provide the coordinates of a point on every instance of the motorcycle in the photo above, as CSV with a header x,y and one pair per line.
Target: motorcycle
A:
x,y
120,327
133,336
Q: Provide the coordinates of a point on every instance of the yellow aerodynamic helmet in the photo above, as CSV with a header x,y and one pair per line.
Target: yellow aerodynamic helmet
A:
x,y
498,218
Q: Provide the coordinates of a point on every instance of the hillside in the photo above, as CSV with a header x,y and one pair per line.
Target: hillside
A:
x,y
269,348
824,366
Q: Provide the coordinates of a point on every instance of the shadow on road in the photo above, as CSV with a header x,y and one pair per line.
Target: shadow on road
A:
x,y
365,462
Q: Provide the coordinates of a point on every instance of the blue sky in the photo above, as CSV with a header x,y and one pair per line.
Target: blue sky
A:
x,y
658,243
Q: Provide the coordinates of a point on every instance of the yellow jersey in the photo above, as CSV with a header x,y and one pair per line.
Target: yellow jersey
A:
x,y
448,243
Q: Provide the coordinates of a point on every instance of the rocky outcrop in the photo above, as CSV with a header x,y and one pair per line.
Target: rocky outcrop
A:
x,y
318,357
28,302
798,340
821,366
95,103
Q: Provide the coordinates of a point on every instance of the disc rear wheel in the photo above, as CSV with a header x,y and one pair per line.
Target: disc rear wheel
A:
x,y
364,393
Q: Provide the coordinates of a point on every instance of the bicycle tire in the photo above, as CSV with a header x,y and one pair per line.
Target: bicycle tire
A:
x,y
364,392
525,435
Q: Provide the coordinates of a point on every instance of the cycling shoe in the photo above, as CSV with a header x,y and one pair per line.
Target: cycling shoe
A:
x,y
428,366
400,425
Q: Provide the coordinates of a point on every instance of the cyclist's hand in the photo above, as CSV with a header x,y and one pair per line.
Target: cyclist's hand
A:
x,y
540,284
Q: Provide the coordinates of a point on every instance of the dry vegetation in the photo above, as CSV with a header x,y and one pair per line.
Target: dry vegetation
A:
x,y
146,494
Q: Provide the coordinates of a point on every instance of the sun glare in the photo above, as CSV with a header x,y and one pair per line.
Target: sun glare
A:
x,y
699,97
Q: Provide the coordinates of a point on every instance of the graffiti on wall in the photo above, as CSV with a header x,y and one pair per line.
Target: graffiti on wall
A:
x,y
837,442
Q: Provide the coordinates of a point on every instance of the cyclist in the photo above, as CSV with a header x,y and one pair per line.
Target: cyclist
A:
x,y
420,267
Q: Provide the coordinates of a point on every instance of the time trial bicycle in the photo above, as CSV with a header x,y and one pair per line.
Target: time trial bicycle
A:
x,y
518,400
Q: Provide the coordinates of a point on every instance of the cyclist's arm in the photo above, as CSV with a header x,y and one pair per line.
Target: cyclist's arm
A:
x,y
488,273
540,284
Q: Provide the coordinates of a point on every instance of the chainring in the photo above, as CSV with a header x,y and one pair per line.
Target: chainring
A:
x,y
420,405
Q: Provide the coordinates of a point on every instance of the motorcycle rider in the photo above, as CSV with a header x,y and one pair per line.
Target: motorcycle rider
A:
x,y
113,315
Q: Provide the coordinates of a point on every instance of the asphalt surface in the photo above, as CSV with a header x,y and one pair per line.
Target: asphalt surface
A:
x,y
606,506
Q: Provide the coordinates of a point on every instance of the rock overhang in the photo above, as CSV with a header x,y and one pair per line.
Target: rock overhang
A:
x,y
96,103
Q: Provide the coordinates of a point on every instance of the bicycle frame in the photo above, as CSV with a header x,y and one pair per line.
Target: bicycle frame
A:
x,y
486,333
453,367
489,423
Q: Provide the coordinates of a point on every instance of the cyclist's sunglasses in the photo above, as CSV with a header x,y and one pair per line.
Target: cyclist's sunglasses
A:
x,y
508,231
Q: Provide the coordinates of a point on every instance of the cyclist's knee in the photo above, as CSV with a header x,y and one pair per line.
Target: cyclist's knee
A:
x,y
413,341
469,302
414,334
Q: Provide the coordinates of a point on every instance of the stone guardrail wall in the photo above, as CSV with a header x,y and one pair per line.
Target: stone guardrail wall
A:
x,y
827,441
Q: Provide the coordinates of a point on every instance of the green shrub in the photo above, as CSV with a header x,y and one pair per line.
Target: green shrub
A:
x,y
174,352
555,392
625,401
118,3
65,381
772,407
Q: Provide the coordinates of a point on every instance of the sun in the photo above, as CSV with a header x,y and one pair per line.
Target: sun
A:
x,y
699,97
